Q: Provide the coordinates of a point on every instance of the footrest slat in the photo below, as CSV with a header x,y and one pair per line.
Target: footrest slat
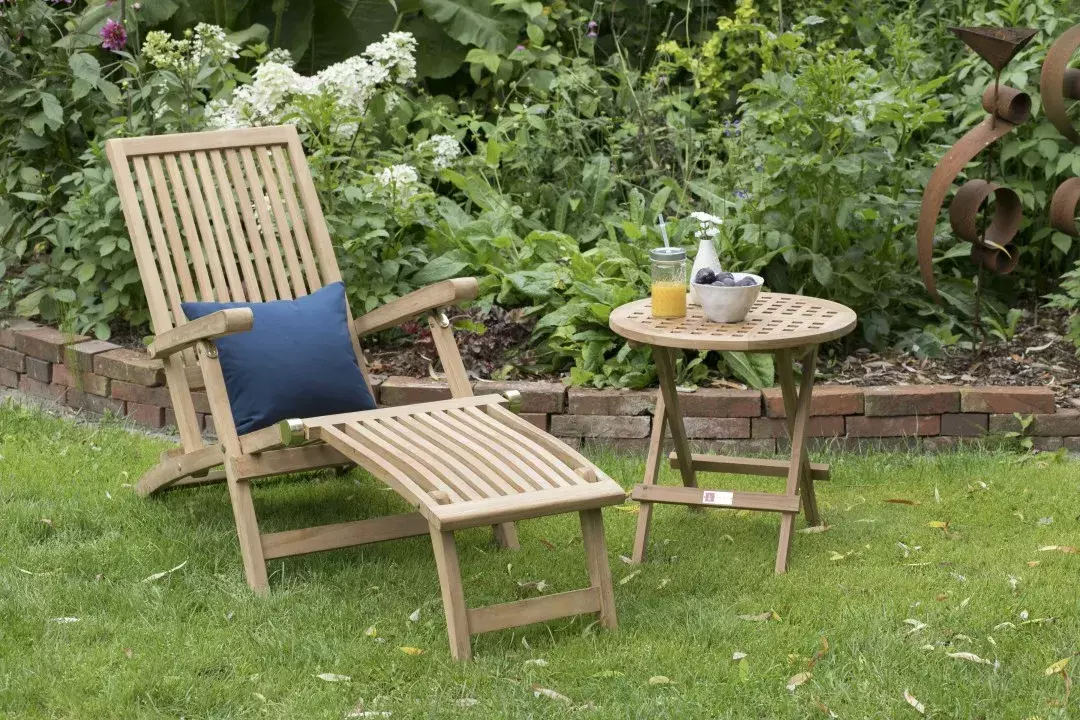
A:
x,y
533,610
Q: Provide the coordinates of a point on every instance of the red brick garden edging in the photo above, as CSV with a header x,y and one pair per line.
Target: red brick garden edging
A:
x,y
100,377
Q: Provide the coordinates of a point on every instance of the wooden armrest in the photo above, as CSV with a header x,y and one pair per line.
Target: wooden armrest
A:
x,y
208,327
395,312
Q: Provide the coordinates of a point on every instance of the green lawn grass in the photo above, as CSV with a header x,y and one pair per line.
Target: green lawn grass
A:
x,y
75,542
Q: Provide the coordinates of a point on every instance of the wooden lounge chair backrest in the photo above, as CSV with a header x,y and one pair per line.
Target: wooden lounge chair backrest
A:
x,y
226,216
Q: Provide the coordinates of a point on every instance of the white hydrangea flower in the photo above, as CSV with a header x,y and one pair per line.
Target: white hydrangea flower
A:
x,y
276,90
444,149
708,225
187,55
401,180
397,52
280,56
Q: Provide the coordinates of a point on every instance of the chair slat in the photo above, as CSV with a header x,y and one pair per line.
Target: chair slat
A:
x,y
236,229
164,259
386,471
482,477
198,260
501,474
262,209
439,452
565,469
420,475
412,445
320,236
506,450
284,232
205,237
221,232
543,466
559,449
172,230
311,269
251,226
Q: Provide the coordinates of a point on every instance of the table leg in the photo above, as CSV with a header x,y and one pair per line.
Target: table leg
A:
x,y
798,449
785,371
652,472
665,369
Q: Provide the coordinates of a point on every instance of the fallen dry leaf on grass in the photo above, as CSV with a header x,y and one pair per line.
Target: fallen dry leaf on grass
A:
x,y
411,650
535,662
64,620
660,680
763,617
943,526
333,677
815,529
466,702
902,501
797,680
738,655
914,702
1058,666
159,575
629,577
549,694
414,616
916,625
1059,548
371,632
970,657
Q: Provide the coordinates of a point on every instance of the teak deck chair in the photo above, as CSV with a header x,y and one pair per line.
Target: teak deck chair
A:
x,y
233,216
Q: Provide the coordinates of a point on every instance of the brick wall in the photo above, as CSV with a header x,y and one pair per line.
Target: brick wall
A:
x,y
99,377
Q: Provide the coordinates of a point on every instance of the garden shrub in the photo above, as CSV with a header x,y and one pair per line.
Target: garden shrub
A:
x,y
541,167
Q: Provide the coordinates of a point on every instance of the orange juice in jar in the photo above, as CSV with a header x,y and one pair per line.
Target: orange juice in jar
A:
x,y
668,282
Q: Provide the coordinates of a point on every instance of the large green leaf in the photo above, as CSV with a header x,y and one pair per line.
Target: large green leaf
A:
x,y
438,55
755,369
469,22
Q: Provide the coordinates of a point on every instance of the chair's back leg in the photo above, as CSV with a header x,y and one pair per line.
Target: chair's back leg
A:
x,y
458,379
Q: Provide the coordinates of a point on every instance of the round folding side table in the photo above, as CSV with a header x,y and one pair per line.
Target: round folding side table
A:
x,y
789,326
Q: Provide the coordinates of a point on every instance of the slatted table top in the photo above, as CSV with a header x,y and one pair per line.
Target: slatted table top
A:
x,y
777,321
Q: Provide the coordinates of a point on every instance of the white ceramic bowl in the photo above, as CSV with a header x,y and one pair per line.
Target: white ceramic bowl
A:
x,y
729,304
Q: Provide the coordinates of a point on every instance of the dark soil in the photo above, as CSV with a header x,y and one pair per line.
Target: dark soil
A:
x,y
1038,354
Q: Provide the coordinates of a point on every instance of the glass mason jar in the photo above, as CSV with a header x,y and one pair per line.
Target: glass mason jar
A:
x,y
668,282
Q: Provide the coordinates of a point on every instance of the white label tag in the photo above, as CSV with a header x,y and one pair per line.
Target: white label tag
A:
x,y
717,497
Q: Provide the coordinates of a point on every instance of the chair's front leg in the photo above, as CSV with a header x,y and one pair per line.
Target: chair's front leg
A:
x,y
453,594
592,533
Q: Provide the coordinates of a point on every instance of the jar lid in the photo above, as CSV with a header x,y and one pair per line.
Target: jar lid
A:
x,y
670,254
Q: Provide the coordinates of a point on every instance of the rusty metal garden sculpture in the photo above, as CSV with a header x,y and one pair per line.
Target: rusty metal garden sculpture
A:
x,y
991,237
1059,84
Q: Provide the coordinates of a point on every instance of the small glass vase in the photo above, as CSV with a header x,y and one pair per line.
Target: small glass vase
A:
x,y
706,258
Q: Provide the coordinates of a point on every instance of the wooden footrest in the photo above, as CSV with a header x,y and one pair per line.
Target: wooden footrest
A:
x,y
701,497
466,462
746,466
533,610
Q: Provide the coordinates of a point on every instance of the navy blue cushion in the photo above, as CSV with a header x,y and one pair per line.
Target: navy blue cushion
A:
x,y
297,360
